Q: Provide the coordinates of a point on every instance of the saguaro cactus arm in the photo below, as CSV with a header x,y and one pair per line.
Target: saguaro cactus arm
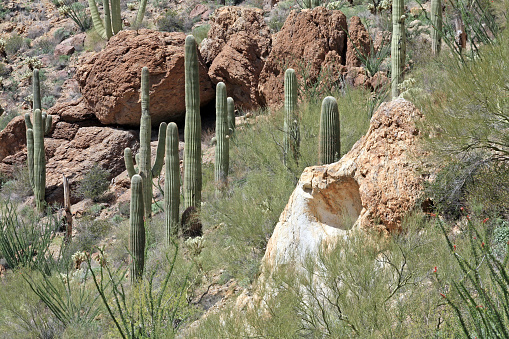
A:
x,y
141,13
128,160
39,161
231,115
96,19
158,164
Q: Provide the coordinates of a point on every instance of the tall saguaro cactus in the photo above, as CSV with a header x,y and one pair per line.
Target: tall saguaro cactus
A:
x,y
222,139
112,17
329,138
436,26
137,229
192,130
172,181
146,170
36,156
291,125
398,45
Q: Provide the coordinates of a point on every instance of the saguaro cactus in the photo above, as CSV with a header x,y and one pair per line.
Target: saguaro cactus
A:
x,y
329,138
291,125
398,45
436,26
172,181
36,156
222,139
231,115
112,18
146,170
137,229
192,130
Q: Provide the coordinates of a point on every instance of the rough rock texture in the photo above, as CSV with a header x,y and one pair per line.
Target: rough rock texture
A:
x,y
359,42
372,186
230,20
303,43
71,149
12,137
238,43
110,79
90,146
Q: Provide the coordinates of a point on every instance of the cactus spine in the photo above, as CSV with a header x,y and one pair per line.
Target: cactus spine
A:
x,y
112,17
146,170
36,157
137,229
222,142
436,26
329,138
398,45
172,181
291,125
192,130
231,115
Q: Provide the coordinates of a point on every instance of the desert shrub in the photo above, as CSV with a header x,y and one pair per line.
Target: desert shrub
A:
x,y
172,21
364,286
94,183
13,44
76,10
466,109
19,186
278,15
7,116
61,34
201,32
90,232
48,101
45,45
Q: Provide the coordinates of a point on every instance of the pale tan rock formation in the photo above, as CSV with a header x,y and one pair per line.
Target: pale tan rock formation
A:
x,y
372,186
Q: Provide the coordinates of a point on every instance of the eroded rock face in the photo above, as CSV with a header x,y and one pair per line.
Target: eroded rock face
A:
x,y
359,42
110,80
71,149
372,186
238,43
303,43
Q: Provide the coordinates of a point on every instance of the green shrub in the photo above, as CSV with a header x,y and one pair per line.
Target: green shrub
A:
x,y
172,21
13,44
201,32
94,183
90,232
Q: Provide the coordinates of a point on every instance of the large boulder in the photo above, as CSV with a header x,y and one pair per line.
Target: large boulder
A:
x,y
110,80
238,43
12,137
372,186
304,42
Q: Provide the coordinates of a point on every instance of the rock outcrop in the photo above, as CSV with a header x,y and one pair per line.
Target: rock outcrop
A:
x,y
238,43
303,43
72,149
110,79
372,186
359,42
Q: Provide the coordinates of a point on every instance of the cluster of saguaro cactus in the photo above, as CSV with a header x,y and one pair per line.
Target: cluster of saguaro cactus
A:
x,y
291,124
436,26
145,168
172,181
231,115
192,131
36,156
329,138
112,17
137,228
222,139
398,45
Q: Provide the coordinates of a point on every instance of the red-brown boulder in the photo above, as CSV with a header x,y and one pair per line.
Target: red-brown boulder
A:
x,y
110,80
